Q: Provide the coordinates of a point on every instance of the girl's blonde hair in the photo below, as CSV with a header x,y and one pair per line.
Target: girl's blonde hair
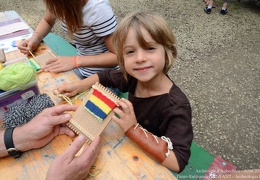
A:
x,y
69,11
157,27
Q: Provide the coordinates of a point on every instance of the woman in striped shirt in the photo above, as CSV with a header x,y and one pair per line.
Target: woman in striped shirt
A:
x,y
90,24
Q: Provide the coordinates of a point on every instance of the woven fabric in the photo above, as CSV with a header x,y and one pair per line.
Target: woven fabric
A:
x,y
95,113
99,105
23,113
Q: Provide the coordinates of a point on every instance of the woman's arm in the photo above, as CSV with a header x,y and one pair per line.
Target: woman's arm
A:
x,y
44,26
42,29
66,63
107,59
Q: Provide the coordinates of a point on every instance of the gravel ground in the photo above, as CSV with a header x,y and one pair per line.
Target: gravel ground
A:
x,y
217,67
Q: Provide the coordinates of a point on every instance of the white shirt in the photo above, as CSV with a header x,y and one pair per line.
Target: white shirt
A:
x,y
99,21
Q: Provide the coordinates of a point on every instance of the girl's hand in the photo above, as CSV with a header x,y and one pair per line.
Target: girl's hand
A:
x,y
28,45
68,89
72,89
59,64
126,113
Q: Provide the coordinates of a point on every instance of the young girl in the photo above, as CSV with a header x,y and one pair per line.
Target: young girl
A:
x,y
157,115
90,24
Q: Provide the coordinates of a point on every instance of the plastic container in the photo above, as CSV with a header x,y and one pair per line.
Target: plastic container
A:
x,y
22,59
19,95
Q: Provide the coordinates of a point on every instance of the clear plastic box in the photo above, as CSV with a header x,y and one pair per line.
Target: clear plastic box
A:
x,y
22,59
19,95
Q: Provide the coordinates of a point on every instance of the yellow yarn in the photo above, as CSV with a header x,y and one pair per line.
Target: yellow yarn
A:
x,y
15,75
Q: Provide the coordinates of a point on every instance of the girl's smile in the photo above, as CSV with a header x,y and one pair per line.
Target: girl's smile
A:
x,y
142,69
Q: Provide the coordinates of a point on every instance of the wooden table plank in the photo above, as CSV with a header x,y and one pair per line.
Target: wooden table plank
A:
x,y
134,157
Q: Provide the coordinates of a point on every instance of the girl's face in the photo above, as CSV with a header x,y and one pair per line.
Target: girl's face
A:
x,y
143,64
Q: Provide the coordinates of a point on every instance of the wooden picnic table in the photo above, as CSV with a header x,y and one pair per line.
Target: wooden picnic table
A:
x,y
119,157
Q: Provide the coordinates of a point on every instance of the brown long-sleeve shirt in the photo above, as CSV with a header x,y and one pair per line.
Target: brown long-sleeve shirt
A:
x,y
163,115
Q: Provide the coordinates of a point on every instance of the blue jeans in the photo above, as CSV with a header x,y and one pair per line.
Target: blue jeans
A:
x,y
76,71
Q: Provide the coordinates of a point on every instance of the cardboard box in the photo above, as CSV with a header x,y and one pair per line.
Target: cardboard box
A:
x,y
19,95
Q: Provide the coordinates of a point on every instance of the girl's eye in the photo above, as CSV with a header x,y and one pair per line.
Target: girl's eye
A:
x,y
129,52
150,48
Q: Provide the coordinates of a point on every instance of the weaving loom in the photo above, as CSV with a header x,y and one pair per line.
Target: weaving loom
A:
x,y
91,118
40,61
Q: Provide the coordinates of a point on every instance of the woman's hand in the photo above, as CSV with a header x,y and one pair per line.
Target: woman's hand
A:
x,y
59,64
28,45
126,114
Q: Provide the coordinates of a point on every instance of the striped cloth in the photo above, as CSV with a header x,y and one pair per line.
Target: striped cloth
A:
x,y
99,21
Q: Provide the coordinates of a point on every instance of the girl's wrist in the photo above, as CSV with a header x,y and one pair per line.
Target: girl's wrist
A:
x,y
36,40
37,37
76,61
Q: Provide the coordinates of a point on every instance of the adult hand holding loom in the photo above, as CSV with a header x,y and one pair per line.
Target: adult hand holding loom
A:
x,y
69,166
41,130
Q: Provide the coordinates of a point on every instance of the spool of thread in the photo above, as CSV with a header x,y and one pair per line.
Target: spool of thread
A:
x,y
34,64
16,75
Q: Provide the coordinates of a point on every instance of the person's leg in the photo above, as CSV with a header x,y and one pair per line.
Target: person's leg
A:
x,y
76,71
207,3
223,10
210,3
225,5
209,6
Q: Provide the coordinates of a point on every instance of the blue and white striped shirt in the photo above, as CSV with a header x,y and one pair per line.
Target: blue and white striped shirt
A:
x,y
99,21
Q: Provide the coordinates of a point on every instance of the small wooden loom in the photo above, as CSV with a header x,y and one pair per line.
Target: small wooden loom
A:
x,y
91,118
40,61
